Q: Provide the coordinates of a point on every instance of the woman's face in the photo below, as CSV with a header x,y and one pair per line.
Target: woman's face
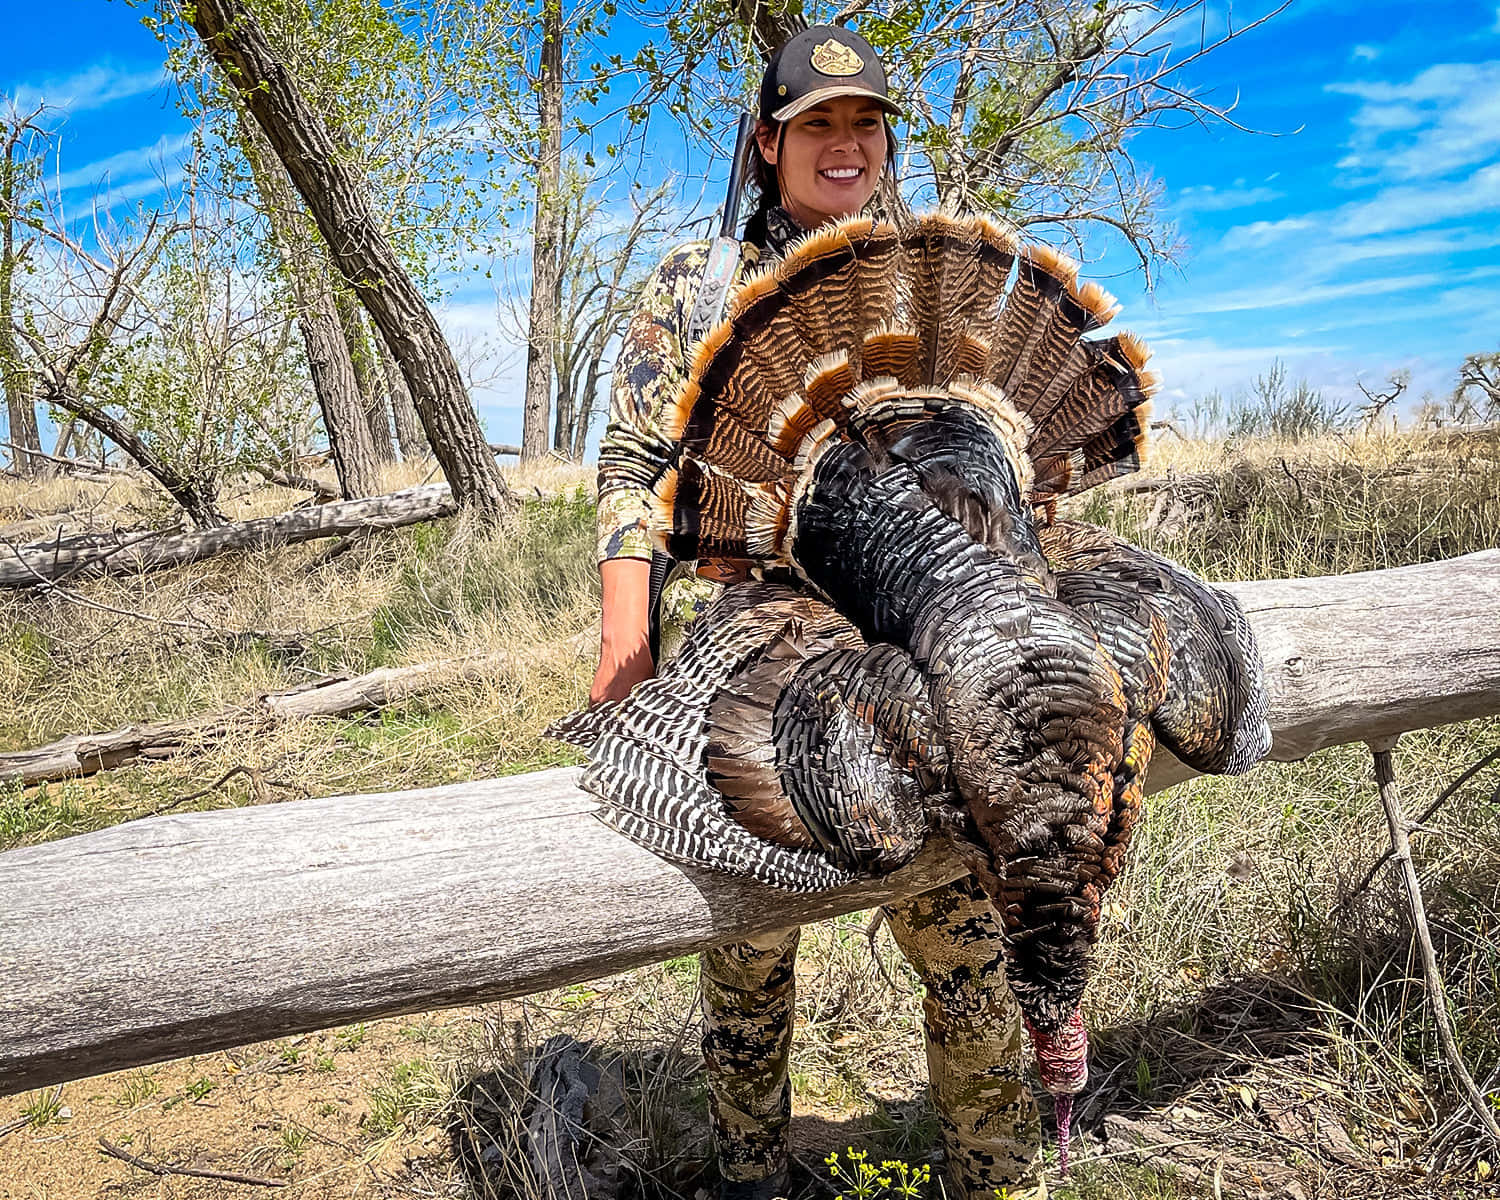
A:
x,y
829,160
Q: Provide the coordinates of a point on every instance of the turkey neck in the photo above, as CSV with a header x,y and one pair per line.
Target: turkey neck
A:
x,y
979,620
1027,703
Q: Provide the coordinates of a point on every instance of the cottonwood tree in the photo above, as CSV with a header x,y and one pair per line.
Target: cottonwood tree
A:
x,y
303,261
602,270
606,251
341,204
20,162
412,94
1477,395
152,331
541,330
1022,107
559,73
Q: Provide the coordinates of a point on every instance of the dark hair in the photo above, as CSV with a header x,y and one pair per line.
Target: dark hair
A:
x,y
765,188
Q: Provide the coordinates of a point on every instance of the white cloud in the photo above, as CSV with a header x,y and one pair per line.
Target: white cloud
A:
x,y
1393,210
1365,53
1211,199
1264,233
124,165
93,87
1444,119
1417,206
1297,293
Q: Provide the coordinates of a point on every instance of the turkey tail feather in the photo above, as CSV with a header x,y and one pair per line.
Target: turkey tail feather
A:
x,y
862,328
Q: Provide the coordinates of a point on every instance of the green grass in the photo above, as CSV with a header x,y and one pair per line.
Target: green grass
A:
x,y
411,1093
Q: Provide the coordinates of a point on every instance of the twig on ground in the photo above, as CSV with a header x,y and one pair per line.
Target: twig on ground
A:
x,y
259,784
1390,800
1422,819
18,1123
871,930
163,1169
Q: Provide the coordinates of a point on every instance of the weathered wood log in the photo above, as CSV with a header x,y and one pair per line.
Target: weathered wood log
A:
x,y
81,754
183,934
127,553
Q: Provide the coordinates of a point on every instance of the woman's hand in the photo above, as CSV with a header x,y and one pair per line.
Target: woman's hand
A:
x,y
624,633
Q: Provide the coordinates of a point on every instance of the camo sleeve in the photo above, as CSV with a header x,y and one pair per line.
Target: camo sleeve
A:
x,y
649,372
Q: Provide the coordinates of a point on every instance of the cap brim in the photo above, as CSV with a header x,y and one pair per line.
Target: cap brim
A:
x,y
803,103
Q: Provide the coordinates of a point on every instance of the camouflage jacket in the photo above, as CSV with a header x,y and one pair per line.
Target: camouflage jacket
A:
x,y
650,370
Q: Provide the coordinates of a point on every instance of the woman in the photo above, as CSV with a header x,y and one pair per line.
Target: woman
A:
x,y
823,150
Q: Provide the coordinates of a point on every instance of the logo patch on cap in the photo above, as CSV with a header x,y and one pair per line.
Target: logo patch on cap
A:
x,y
834,58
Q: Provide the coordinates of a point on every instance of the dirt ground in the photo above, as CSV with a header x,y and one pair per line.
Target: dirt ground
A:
x,y
297,1111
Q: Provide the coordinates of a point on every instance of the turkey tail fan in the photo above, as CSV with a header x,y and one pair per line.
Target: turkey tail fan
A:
x,y
1114,451
1098,426
859,314
1113,382
699,513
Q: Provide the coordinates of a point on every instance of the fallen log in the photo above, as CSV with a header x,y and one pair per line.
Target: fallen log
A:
x,y
184,934
41,563
81,754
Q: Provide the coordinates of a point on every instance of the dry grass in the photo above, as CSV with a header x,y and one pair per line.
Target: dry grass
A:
x,y
1230,965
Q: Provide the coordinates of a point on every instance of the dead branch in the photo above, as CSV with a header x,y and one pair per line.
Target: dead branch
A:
x,y
1390,800
82,754
259,784
74,466
27,566
163,1169
1426,815
302,483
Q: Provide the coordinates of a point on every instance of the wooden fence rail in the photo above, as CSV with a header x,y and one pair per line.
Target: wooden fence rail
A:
x,y
184,934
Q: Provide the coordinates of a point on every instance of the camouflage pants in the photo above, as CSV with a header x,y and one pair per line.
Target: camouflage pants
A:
x,y
975,1046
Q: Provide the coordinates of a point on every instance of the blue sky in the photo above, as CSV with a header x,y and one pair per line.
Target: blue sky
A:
x,y
1363,238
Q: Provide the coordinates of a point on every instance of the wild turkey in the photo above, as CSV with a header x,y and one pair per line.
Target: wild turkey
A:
x,y
883,429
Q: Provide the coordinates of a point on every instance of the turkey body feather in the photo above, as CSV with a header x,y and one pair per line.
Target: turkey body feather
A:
x,y
885,424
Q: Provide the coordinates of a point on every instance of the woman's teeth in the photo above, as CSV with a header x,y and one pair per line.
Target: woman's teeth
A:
x,y
842,172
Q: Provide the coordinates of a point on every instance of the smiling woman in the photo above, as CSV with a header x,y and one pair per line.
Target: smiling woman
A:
x,y
823,151
822,138
828,159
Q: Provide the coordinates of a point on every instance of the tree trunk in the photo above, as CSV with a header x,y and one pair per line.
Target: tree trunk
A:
x,y
363,254
186,934
408,427
196,496
334,380
339,402
541,330
564,424
371,391
20,404
133,553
